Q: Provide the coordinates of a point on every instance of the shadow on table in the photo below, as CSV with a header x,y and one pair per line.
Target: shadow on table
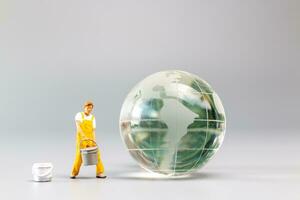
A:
x,y
254,173
133,172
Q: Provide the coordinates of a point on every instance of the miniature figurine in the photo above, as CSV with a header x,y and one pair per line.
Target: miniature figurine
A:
x,y
86,126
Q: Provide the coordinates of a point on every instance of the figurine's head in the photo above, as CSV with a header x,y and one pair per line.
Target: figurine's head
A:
x,y
88,107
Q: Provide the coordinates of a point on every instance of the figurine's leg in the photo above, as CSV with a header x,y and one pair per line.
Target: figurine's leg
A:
x,y
99,166
77,162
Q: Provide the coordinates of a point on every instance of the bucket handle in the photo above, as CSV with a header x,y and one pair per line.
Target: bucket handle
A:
x,y
87,140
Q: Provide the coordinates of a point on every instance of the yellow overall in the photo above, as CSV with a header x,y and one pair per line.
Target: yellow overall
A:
x,y
87,128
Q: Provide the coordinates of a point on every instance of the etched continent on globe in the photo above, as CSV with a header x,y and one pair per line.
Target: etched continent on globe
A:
x,y
172,122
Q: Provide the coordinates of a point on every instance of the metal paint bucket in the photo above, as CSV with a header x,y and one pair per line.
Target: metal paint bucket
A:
x,y
89,155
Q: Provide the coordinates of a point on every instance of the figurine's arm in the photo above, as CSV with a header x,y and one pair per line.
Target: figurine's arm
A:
x,y
94,132
94,128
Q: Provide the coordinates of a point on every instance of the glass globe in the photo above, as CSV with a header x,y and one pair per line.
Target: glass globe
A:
x,y
172,122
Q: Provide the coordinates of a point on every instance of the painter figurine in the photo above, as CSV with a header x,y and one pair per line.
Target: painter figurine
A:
x,y
87,150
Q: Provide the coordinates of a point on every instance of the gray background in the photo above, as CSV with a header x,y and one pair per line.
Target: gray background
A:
x,y
56,54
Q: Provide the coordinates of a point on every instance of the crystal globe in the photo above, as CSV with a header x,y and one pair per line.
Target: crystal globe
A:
x,y
172,122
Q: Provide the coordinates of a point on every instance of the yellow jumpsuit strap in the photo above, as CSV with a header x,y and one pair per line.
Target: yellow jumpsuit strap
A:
x,y
82,115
